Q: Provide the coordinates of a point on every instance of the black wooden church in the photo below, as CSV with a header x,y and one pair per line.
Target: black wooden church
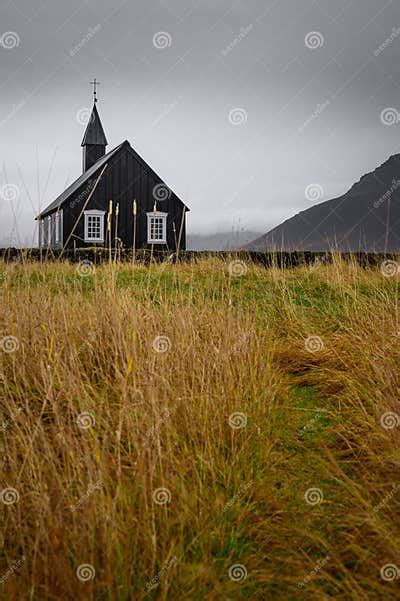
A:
x,y
118,200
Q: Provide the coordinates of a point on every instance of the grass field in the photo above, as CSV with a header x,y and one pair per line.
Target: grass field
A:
x,y
199,432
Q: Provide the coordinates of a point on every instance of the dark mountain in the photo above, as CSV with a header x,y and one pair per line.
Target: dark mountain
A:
x,y
366,218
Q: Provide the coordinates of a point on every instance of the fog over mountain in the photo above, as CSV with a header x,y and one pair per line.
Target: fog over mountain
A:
x,y
221,240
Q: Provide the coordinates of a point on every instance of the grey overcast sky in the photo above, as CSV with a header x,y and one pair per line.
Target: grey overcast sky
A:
x,y
240,106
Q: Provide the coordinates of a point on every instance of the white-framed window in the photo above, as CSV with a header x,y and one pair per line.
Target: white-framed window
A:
x,y
41,233
48,231
57,227
94,226
157,228
52,229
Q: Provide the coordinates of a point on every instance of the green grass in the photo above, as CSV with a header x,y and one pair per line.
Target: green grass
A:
x,y
237,344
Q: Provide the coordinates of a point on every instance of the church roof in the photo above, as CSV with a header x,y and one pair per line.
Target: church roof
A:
x,y
56,204
94,133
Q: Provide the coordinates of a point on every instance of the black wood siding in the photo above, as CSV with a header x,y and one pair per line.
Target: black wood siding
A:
x,y
125,179
91,154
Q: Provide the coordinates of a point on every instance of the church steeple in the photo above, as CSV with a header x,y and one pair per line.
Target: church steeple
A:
x,y
94,140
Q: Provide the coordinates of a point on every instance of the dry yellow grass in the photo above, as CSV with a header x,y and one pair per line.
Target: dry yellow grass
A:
x,y
164,470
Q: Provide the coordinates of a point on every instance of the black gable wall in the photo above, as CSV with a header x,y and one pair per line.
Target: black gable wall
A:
x,y
125,179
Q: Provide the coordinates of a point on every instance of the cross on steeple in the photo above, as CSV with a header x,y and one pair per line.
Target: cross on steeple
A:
x,y
94,140
95,83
